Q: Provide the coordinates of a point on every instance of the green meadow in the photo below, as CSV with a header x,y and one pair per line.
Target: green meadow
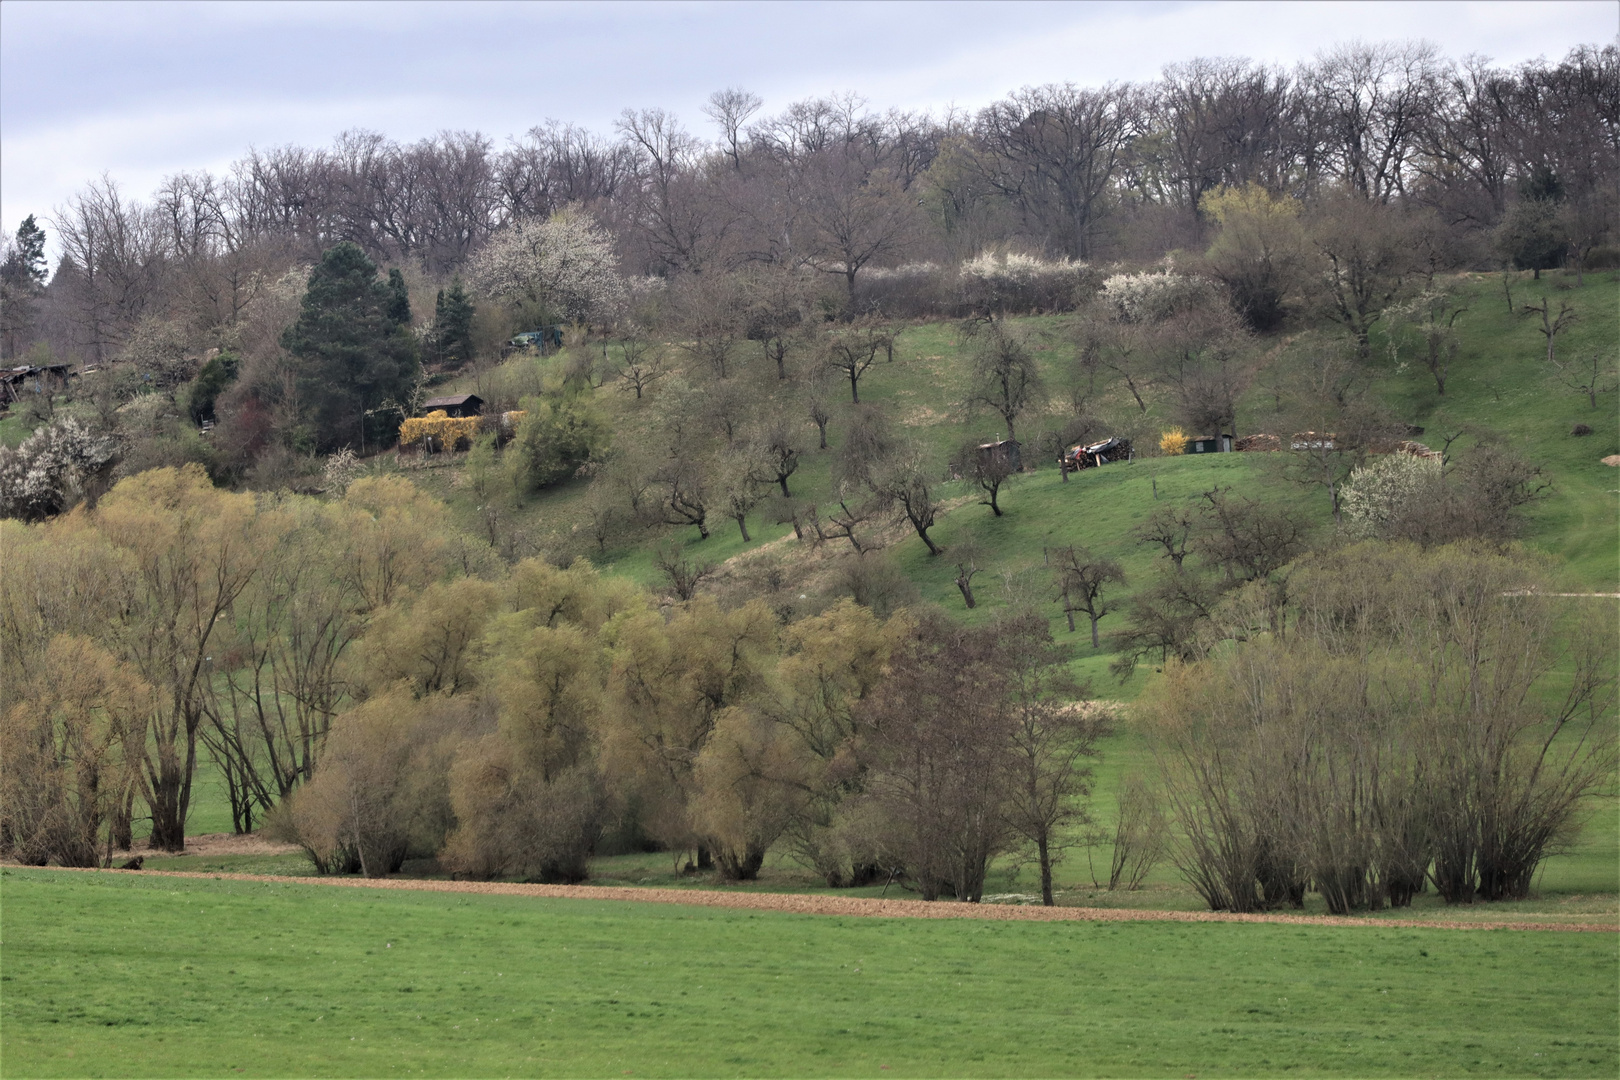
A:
x,y
141,976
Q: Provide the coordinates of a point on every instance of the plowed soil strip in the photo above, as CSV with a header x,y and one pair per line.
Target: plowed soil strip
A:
x,y
864,906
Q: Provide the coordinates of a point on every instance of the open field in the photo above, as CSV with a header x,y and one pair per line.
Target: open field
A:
x,y
148,976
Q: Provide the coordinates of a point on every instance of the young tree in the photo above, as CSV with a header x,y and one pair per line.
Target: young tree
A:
x,y
641,364
1005,377
970,560
352,353
1431,318
683,574
1081,579
782,450
1551,325
987,467
740,475
1592,376
1052,737
851,352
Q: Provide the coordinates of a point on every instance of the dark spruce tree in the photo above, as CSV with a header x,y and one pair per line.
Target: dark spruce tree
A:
x,y
26,262
451,340
354,351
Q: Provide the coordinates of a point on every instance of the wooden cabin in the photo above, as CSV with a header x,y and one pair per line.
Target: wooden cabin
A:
x,y
457,405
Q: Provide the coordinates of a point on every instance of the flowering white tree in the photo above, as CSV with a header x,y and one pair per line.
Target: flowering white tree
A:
x,y
1381,492
50,470
564,264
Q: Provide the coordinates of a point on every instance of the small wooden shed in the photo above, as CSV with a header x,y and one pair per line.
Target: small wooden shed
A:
x,y
455,405
1209,444
1004,455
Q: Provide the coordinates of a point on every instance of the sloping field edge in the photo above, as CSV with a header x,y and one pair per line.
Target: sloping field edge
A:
x,y
861,906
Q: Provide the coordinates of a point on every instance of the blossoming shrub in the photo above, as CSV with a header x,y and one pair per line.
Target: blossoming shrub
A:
x,y
436,431
1155,295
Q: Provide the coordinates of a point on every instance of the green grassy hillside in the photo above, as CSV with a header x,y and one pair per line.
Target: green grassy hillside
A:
x,y
1499,382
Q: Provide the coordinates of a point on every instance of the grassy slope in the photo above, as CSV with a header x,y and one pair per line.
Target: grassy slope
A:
x,y
1499,380
147,977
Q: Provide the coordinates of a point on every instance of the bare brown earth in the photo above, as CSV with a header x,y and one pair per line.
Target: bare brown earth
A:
x,y
217,844
860,905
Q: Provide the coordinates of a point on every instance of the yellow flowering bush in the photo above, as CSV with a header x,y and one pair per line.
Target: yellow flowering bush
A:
x,y
437,431
1173,442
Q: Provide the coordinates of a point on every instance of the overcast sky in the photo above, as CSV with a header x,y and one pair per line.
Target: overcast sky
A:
x,y
142,90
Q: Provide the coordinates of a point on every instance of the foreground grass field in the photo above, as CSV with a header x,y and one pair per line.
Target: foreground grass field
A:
x,y
121,975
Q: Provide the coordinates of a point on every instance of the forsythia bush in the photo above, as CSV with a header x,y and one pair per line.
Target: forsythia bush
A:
x,y
1173,442
436,431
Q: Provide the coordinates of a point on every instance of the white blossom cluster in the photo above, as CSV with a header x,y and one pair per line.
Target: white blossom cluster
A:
x,y
1017,281
1382,492
47,473
1153,295
341,470
565,262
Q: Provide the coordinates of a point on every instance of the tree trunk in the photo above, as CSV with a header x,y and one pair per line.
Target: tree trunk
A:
x,y
742,527
1094,643
854,386
821,426
786,494
120,827
1046,871
967,591
1068,613
994,493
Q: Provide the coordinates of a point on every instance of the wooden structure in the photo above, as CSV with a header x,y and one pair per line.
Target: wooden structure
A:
x,y
456,405
32,378
1092,455
1004,456
1208,444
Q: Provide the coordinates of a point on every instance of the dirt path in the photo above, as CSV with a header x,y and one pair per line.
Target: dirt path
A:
x,y
864,906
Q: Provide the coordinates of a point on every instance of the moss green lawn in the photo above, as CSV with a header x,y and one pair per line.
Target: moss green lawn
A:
x,y
133,976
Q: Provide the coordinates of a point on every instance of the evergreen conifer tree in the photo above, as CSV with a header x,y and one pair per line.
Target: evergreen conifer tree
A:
x,y
452,326
354,352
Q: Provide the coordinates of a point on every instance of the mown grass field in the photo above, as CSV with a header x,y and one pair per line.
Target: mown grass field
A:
x,y
131,976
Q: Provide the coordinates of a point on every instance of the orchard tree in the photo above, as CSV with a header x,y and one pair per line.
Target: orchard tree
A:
x,y
561,269
353,350
1081,579
1005,377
